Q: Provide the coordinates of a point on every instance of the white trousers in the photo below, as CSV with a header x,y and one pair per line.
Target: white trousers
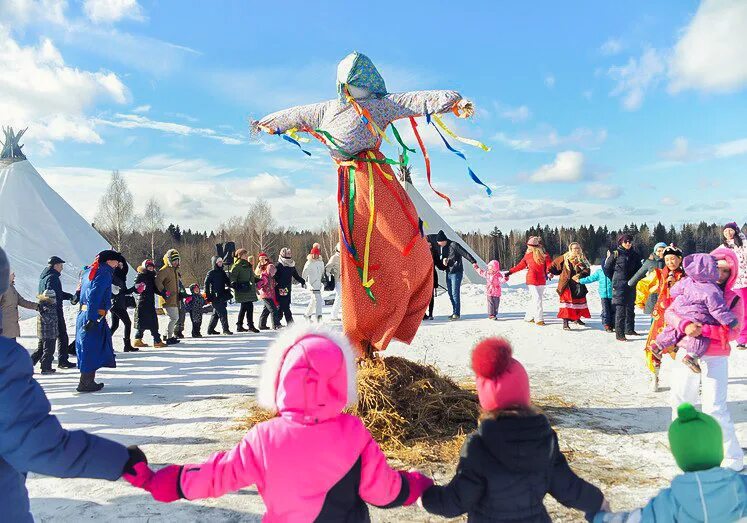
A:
x,y
315,305
535,309
337,305
713,381
173,314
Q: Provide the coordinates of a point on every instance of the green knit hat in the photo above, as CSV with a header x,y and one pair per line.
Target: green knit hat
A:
x,y
695,439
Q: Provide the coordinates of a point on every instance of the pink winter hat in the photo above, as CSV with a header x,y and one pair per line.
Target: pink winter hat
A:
x,y
534,241
501,381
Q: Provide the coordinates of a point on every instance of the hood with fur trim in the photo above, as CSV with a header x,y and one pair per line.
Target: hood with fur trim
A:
x,y
309,375
724,253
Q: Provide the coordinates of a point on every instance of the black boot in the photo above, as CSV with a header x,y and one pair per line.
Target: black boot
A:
x,y
212,325
253,329
128,347
566,326
240,328
66,365
224,325
87,383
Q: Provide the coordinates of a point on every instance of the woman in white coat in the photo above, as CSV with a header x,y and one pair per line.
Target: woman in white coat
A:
x,y
313,272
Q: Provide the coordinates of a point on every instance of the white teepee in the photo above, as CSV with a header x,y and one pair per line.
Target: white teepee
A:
x,y
432,223
36,223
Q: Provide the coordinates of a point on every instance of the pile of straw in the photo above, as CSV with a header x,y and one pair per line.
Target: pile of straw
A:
x,y
414,412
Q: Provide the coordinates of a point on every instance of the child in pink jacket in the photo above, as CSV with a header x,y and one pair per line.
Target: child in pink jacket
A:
x,y
494,279
310,463
697,298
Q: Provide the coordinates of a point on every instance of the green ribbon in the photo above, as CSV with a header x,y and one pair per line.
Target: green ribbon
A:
x,y
405,159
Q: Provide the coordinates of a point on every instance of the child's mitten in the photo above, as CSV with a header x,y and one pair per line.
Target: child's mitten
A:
x,y
418,484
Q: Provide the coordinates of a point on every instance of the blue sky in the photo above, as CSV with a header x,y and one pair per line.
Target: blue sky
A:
x,y
597,112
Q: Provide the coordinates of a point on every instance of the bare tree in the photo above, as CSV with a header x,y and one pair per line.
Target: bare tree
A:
x,y
330,231
115,216
152,222
260,222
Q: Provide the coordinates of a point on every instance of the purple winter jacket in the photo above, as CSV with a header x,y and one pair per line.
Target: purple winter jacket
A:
x,y
698,298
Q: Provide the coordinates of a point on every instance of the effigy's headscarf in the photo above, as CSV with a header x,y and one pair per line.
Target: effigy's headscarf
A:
x,y
358,73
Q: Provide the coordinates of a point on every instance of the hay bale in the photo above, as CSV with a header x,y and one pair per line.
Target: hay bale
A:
x,y
414,412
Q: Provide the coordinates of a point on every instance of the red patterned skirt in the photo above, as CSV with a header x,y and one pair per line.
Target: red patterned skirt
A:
x,y
572,308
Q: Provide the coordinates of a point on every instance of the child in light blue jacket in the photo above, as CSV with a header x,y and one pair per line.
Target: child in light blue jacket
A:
x,y
605,293
706,491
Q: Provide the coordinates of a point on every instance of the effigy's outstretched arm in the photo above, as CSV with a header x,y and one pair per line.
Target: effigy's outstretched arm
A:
x,y
417,103
301,117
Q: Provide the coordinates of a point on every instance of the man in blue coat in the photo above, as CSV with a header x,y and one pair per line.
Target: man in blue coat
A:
x,y
93,338
32,440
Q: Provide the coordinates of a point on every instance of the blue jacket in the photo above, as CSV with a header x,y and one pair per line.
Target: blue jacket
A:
x,y
32,440
50,280
717,495
94,347
605,284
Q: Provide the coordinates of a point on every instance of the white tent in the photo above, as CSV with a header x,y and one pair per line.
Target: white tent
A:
x,y
36,223
432,223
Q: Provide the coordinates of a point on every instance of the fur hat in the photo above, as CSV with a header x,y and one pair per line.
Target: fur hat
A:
x,y
172,255
502,381
673,249
148,262
625,237
733,226
240,252
534,241
695,439
4,272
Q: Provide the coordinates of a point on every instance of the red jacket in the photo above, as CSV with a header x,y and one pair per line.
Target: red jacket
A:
x,y
536,272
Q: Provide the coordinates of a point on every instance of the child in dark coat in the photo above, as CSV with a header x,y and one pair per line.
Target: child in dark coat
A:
x,y
513,460
47,328
194,305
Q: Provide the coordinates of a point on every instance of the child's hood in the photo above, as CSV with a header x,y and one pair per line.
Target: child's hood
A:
x,y
724,253
309,375
719,492
522,442
701,268
494,266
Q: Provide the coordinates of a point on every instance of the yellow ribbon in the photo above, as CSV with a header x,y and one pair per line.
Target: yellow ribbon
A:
x,y
468,141
371,218
372,156
293,133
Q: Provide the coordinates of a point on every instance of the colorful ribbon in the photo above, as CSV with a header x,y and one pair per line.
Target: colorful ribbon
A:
x,y
405,159
414,125
468,141
293,141
365,116
461,155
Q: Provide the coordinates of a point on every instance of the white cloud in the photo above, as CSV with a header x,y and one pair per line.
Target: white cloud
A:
x,y
568,166
141,109
669,201
680,151
134,121
603,191
110,11
515,114
733,148
546,138
264,185
37,89
710,55
550,80
636,77
611,47
23,12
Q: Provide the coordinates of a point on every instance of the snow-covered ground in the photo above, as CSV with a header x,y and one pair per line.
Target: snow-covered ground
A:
x,y
181,403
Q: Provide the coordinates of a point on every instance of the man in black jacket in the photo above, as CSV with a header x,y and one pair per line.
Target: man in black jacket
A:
x,y
218,292
50,280
438,265
620,268
451,258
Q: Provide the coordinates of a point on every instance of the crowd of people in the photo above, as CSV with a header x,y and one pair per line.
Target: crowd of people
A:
x,y
104,289
696,306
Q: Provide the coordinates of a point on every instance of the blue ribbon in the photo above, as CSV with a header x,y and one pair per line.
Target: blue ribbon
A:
x,y
295,142
459,154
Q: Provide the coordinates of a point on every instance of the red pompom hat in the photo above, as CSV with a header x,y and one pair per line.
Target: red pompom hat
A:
x,y
501,381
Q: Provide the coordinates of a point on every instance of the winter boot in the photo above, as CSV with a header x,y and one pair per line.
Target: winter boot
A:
x,y
196,330
139,343
128,347
691,364
66,365
632,333
540,323
566,326
87,383
172,341
253,329
159,344
240,328
579,322
48,371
